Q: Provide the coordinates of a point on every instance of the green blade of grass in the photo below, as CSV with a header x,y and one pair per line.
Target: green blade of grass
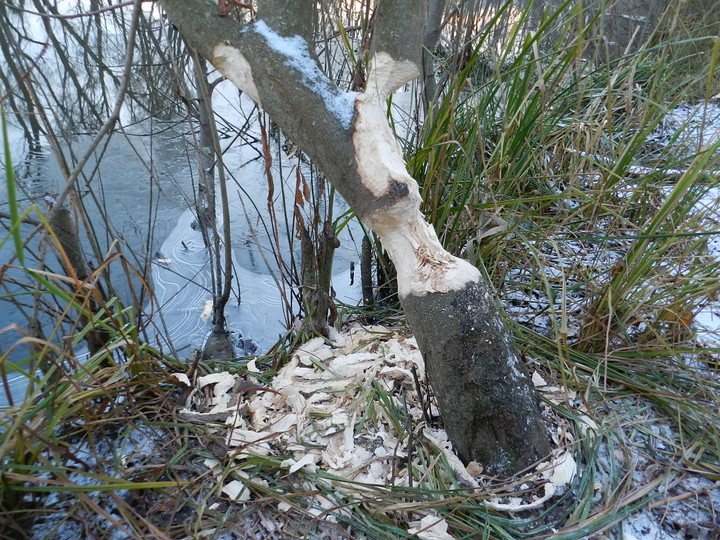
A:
x,y
12,197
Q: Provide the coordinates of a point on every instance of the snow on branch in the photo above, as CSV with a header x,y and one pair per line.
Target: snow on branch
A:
x,y
298,57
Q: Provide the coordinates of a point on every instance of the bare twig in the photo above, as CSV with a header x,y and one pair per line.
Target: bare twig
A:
x,y
27,220
114,117
76,16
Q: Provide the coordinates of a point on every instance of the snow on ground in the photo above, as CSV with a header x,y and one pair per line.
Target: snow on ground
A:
x,y
708,319
133,447
689,128
694,128
566,263
689,505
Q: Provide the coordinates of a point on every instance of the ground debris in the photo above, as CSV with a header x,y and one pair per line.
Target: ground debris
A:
x,y
357,408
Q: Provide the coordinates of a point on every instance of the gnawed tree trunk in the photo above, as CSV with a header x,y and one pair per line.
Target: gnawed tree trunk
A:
x,y
486,400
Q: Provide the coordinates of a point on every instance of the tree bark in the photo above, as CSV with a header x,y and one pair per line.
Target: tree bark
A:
x,y
316,273
486,400
433,30
76,266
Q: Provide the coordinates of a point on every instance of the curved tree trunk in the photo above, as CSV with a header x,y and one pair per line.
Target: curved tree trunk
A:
x,y
486,400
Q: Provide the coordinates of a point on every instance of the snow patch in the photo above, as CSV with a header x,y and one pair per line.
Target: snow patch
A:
x,y
707,320
689,128
294,49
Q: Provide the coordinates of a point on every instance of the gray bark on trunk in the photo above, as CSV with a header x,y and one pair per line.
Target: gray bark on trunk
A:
x,y
486,399
68,236
433,30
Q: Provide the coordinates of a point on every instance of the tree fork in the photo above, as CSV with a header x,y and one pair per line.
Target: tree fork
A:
x,y
486,399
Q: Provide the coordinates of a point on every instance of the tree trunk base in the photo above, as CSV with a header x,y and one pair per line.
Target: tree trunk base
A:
x,y
486,398
218,346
